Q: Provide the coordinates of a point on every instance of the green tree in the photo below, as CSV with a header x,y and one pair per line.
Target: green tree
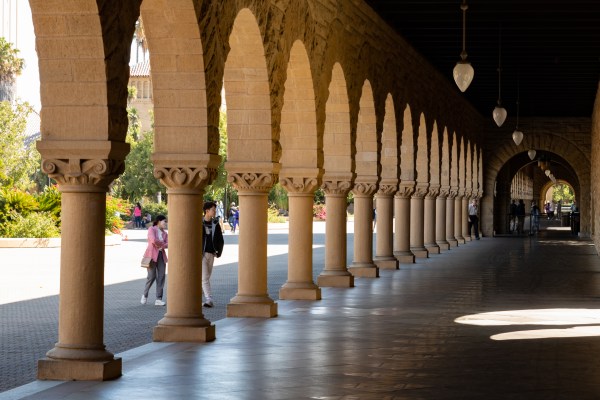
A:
x,y
220,189
564,193
10,66
18,160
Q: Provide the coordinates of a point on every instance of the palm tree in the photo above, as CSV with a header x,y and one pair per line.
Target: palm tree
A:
x,y
10,67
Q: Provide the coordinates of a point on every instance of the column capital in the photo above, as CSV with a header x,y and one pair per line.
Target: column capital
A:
x,y
453,192
421,190
479,194
252,181
405,189
387,187
444,192
337,185
299,184
434,191
365,189
460,193
468,193
184,180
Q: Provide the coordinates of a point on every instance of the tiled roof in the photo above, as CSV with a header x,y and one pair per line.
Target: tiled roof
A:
x,y
140,69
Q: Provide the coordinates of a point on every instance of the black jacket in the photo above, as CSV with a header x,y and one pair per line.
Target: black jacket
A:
x,y
217,238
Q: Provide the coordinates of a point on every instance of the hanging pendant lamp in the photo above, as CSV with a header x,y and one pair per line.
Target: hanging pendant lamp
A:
x,y
463,71
499,113
531,154
517,134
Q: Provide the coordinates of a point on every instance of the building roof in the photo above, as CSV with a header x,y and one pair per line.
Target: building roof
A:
x,y
141,69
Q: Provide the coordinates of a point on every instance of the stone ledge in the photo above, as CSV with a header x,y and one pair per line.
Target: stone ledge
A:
x,y
112,240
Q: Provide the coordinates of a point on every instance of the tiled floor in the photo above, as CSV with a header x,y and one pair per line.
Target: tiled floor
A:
x,y
396,337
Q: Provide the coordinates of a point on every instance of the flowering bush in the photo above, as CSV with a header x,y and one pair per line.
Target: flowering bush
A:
x,y
319,211
114,208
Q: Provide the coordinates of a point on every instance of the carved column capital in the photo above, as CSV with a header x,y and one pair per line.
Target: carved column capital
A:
x,y
252,181
296,184
364,189
387,190
460,193
433,192
81,175
336,186
452,193
188,179
421,190
405,189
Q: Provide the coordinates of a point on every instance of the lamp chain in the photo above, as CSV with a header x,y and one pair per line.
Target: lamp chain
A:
x,y
464,7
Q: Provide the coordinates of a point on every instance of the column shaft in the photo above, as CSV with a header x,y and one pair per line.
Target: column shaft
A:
x,y
335,273
440,223
458,220
80,352
450,222
402,237
384,241
363,237
300,285
252,299
416,227
429,225
184,320
465,219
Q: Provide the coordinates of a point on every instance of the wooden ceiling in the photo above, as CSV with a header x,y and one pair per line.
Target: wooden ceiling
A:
x,y
550,49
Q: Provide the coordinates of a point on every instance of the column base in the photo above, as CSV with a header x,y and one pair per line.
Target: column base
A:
x,y
453,242
289,292
335,280
419,252
405,257
386,262
460,240
173,333
252,310
467,238
432,248
73,370
444,246
363,270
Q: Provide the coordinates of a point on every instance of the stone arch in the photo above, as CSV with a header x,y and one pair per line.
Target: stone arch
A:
x,y
180,106
556,144
445,166
407,154
367,143
454,163
337,145
247,92
475,171
390,164
299,140
468,169
461,165
422,159
434,157
83,54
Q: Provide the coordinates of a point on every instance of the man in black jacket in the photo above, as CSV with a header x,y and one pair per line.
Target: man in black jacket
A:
x,y
212,246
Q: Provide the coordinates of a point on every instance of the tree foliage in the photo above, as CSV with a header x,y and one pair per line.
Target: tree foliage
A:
x,y
564,193
10,64
18,160
220,188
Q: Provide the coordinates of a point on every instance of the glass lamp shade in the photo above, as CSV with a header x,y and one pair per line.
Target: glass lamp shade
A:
x,y
463,74
531,154
517,137
547,172
499,115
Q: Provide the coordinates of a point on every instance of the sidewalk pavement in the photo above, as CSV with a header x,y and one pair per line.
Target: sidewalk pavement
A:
x,y
30,286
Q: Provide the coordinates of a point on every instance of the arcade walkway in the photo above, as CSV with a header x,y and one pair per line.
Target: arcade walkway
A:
x,y
397,336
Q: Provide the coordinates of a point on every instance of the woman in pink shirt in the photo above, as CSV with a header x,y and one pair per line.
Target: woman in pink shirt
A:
x,y
157,249
137,215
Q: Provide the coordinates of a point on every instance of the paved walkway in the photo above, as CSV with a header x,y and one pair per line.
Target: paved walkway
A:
x,y
499,318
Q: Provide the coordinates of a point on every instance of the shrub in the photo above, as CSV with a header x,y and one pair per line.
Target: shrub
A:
x,y
33,225
155,209
319,211
114,208
50,201
273,215
14,201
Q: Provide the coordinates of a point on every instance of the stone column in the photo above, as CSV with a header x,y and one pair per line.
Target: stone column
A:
x,y
450,217
80,353
335,273
384,249
300,285
402,212
363,264
440,219
465,219
430,220
252,298
458,217
417,213
184,320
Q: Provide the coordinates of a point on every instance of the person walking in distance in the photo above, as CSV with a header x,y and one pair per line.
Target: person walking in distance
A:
x,y
212,246
474,218
158,241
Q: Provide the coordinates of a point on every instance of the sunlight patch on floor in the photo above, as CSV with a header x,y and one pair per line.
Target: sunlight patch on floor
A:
x,y
578,331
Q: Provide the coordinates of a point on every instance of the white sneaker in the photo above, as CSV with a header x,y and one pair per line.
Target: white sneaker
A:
x,y
208,303
159,302
144,299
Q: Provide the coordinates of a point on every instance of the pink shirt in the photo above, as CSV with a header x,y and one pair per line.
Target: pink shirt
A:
x,y
155,244
137,212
